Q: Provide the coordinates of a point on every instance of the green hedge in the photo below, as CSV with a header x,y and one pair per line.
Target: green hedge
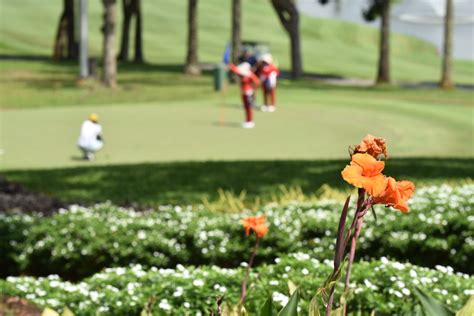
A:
x,y
80,241
384,286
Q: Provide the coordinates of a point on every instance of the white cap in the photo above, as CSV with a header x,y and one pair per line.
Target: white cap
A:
x,y
244,68
267,57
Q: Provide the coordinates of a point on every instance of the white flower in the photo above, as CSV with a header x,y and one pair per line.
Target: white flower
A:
x,y
94,295
406,292
52,302
164,305
178,292
40,292
305,271
273,282
280,298
186,305
198,282
141,234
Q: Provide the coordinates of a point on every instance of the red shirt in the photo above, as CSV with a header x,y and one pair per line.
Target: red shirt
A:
x,y
267,69
248,83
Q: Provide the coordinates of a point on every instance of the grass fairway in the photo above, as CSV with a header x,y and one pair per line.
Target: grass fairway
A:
x,y
309,124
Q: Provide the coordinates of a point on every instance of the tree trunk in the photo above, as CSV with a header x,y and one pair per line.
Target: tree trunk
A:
x,y
108,53
383,72
65,44
236,30
192,66
446,80
289,18
138,32
127,17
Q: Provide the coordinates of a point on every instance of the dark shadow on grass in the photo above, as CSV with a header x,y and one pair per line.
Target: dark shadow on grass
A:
x,y
150,67
189,182
227,124
435,85
24,57
78,158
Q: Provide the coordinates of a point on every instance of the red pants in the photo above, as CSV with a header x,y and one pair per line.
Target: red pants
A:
x,y
247,99
269,96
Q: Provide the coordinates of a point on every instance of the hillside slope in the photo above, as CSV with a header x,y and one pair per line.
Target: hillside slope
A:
x,y
28,27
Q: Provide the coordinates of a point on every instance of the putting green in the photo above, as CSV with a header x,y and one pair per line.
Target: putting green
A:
x,y
210,130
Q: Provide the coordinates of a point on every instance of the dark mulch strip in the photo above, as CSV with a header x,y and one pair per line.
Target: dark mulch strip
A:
x,y
17,306
15,196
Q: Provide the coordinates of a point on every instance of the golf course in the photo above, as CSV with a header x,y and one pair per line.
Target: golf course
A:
x,y
142,179
158,115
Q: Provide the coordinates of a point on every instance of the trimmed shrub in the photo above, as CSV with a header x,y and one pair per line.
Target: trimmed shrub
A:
x,y
384,286
79,241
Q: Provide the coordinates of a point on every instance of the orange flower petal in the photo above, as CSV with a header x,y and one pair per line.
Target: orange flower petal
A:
x,y
375,185
406,189
365,172
255,223
370,166
261,230
396,194
373,146
353,175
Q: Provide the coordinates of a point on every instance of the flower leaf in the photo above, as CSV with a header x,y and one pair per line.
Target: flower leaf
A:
x,y
291,308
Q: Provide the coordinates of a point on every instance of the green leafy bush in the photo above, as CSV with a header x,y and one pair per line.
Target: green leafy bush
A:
x,y
384,286
79,241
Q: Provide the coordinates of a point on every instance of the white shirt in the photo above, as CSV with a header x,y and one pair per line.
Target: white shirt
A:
x,y
89,133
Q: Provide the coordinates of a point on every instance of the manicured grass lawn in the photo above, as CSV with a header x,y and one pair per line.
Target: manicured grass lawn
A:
x,y
188,182
311,123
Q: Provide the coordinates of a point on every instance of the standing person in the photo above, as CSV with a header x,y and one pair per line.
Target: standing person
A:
x,y
268,74
248,83
90,138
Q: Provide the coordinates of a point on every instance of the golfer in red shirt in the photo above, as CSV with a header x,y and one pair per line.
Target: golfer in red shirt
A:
x,y
248,83
268,74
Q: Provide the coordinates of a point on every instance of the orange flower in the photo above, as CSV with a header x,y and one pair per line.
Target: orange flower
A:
x,y
396,194
257,224
365,172
373,146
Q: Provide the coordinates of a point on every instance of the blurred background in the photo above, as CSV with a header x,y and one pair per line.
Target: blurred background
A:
x,y
153,71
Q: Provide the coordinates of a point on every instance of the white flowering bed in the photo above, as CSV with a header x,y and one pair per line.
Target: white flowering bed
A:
x,y
79,241
384,286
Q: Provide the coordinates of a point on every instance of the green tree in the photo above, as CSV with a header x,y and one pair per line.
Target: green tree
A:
x,y
289,17
130,9
65,43
192,65
381,8
446,80
236,29
109,75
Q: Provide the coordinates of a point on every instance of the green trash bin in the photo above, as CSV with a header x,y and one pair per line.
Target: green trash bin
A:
x,y
219,77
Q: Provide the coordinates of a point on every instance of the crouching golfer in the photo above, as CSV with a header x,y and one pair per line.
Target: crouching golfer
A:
x,y
90,139
248,83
